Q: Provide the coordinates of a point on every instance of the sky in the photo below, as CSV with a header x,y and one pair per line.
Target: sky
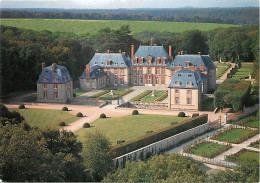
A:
x,y
114,4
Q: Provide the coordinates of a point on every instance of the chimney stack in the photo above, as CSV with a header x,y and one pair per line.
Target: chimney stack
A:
x,y
199,53
53,67
108,51
87,70
179,53
132,51
43,66
96,50
119,51
170,52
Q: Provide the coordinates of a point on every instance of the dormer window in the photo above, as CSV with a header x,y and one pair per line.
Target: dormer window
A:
x,y
157,60
163,60
148,60
189,75
135,60
179,75
102,63
45,78
108,62
189,83
122,63
116,63
187,63
140,60
96,63
55,79
177,83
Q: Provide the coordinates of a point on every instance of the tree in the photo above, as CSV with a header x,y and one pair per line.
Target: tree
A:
x,y
96,155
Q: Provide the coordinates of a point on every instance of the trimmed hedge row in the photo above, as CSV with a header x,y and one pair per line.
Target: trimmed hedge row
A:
x,y
114,97
100,94
156,136
162,97
140,96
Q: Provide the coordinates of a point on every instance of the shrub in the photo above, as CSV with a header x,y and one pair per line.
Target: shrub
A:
x,y
158,135
147,132
195,115
103,115
65,109
79,114
74,95
181,114
86,125
62,123
135,112
22,106
173,123
120,141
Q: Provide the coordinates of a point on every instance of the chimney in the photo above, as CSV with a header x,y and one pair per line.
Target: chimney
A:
x,y
155,44
132,51
108,51
53,67
87,70
43,65
170,52
199,53
119,51
202,68
96,50
179,53
124,53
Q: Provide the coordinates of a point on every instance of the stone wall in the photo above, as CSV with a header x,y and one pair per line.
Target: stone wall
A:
x,y
242,113
156,147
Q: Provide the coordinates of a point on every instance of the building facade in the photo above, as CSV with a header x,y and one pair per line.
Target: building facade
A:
x,y
54,85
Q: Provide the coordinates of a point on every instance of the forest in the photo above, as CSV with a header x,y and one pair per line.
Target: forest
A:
x,y
23,51
248,16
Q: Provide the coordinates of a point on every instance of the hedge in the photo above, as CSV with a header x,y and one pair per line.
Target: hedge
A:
x,y
114,97
100,94
22,106
156,136
65,109
142,95
162,97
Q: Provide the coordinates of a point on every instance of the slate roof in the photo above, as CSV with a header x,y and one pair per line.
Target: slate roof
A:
x,y
117,60
60,72
95,72
186,75
197,60
154,52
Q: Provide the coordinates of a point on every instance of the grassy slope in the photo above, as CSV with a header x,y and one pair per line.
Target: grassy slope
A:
x,y
221,68
46,117
243,71
150,98
233,134
128,127
91,26
206,148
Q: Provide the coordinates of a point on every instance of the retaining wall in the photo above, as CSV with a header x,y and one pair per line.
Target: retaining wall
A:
x,y
156,147
240,114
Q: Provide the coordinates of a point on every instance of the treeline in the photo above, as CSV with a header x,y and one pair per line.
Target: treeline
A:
x,y
227,16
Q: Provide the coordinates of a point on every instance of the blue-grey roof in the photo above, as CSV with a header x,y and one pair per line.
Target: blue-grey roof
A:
x,y
95,72
186,75
117,60
154,52
198,60
60,72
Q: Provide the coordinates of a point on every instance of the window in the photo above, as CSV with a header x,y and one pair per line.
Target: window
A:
x,y
162,71
148,70
102,63
122,71
163,82
122,81
188,100
115,81
189,83
108,71
55,86
176,100
134,80
157,71
44,94
45,78
177,83
177,91
141,80
45,86
96,63
156,81
55,79
140,72
188,92
115,71
148,81
108,81
134,71
55,94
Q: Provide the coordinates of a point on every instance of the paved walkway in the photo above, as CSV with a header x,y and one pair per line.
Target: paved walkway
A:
x,y
224,76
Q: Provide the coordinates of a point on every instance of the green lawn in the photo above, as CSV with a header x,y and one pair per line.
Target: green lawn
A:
x,y
208,105
221,68
150,98
244,155
208,149
116,93
249,121
80,92
92,26
243,71
128,127
46,117
234,135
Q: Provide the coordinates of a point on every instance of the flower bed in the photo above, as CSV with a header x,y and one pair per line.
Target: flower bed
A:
x,y
244,155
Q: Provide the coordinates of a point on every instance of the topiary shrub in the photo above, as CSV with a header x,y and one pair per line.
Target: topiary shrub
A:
x,y
195,115
62,123
103,115
74,95
147,132
135,112
86,125
120,141
173,123
181,114
79,114
22,106
65,109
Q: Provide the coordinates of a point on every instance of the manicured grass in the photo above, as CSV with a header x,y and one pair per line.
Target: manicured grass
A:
x,y
222,64
128,127
116,93
80,92
208,105
207,149
92,26
249,121
234,135
221,68
244,71
46,117
244,155
150,98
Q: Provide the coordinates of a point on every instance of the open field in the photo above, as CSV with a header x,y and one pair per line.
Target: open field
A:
x,y
244,71
244,155
46,117
92,26
128,127
208,149
234,135
221,68
150,98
